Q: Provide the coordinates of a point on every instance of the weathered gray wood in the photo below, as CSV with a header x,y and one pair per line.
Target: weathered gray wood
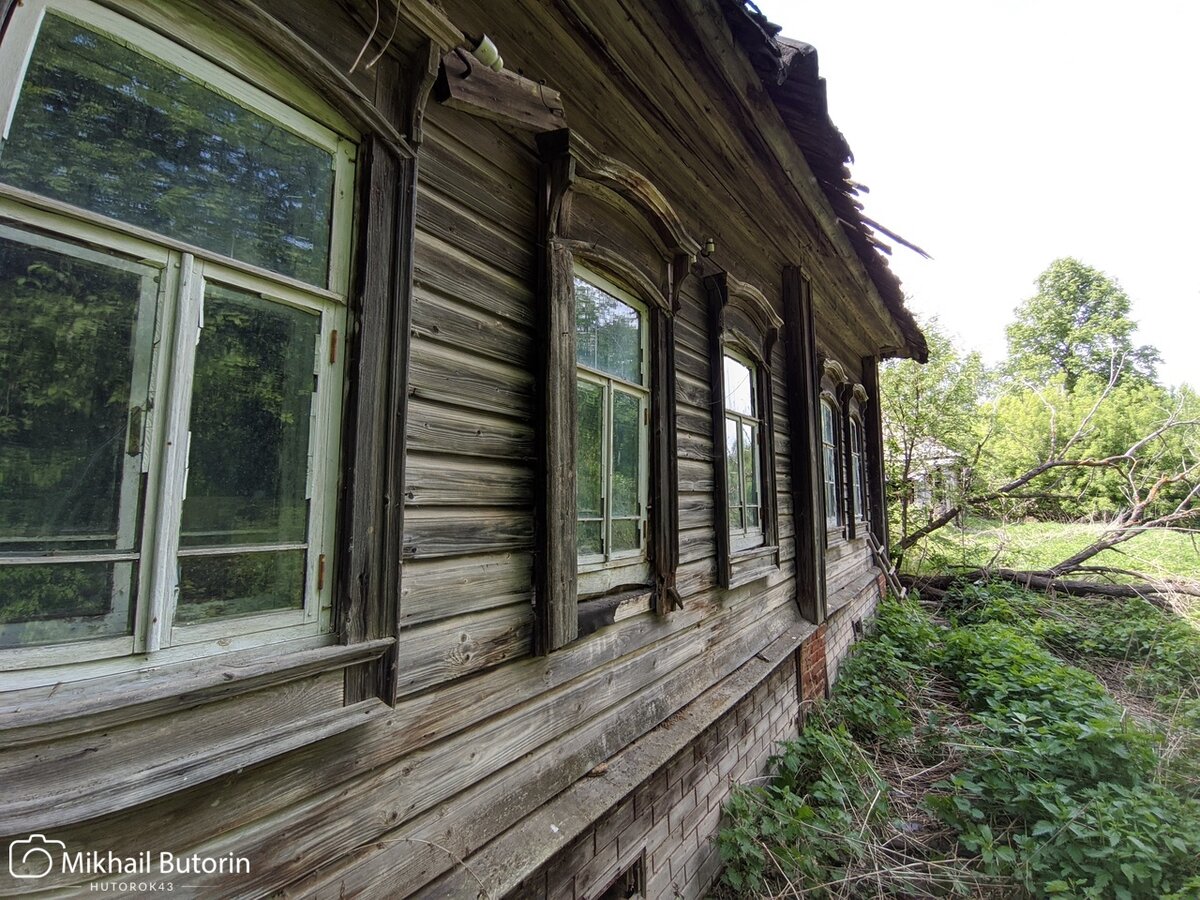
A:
x,y
876,496
804,416
467,85
443,374
437,428
439,480
664,461
465,644
457,532
45,714
440,588
459,224
47,793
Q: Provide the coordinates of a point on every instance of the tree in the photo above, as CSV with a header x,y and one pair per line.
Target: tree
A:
x,y
1077,324
926,405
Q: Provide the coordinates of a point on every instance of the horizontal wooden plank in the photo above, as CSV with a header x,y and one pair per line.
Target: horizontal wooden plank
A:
x,y
125,767
439,374
442,267
444,320
437,428
460,225
438,480
440,588
44,714
434,533
431,654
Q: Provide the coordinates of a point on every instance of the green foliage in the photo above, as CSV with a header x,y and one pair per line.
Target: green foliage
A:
x,y
1056,789
932,413
1077,324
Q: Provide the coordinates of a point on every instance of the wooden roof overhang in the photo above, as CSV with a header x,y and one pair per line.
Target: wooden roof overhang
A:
x,y
789,72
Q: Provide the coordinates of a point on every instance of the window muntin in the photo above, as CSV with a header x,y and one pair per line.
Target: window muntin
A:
x,y
743,430
857,470
214,380
834,514
612,433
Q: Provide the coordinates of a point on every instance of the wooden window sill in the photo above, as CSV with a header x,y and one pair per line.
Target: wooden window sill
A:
x,y
599,612
45,713
38,796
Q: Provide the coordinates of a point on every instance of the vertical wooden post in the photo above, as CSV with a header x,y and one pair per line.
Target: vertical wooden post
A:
x,y
664,461
555,559
716,289
804,414
873,423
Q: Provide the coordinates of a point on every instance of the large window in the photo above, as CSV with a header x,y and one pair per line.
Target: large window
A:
x,y
743,452
612,435
830,468
173,274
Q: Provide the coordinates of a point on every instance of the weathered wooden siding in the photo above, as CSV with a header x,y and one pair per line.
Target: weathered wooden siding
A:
x,y
482,732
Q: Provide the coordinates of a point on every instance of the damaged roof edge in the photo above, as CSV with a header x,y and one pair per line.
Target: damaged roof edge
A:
x,y
788,69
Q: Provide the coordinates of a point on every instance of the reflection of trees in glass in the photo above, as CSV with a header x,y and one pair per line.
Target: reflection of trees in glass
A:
x,y
829,456
248,458
101,126
66,366
607,333
610,425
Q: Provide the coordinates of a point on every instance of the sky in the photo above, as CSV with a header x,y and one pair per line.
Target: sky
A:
x,y
1000,136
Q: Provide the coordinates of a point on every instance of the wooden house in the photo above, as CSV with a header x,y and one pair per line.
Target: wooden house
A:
x,y
439,451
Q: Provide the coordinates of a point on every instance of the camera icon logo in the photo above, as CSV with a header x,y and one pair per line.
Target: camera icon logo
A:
x,y
34,856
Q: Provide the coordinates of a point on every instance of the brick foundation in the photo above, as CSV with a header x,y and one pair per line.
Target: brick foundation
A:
x,y
665,829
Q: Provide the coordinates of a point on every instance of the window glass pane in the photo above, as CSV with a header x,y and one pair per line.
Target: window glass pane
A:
x,y
732,458
735,518
750,463
47,604
589,445
752,520
251,403
626,535
104,127
589,538
73,384
827,430
213,587
248,459
608,333
626,454
739,387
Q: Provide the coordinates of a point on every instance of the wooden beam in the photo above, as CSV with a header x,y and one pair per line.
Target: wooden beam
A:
x,y
467,85
555,560
804,415
873,423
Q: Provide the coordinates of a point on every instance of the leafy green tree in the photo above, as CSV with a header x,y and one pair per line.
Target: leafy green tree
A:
x,y
1077,324
933,405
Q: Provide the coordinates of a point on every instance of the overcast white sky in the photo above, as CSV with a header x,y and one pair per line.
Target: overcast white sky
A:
x,y
1001,135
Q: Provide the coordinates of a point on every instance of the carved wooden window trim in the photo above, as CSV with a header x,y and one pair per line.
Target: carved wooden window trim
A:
x,y
569,167
742,324
833,380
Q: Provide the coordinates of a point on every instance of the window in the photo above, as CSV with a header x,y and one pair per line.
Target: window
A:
x,y
173,272
742,334
743,453
612,437
858,461
830,456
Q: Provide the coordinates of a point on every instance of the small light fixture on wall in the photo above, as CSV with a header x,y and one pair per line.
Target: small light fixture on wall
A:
x,y
710,247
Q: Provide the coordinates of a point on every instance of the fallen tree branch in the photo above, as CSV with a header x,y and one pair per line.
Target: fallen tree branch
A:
x,y
1047,581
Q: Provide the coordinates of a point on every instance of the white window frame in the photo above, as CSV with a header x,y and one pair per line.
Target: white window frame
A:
x,y
177,324
858,483
745,537
600,573
835,519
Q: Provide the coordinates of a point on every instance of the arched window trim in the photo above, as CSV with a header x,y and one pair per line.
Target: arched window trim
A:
x,y
742,322
569,167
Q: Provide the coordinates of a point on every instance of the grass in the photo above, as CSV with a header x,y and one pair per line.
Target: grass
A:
x,y
1037,545
997,743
